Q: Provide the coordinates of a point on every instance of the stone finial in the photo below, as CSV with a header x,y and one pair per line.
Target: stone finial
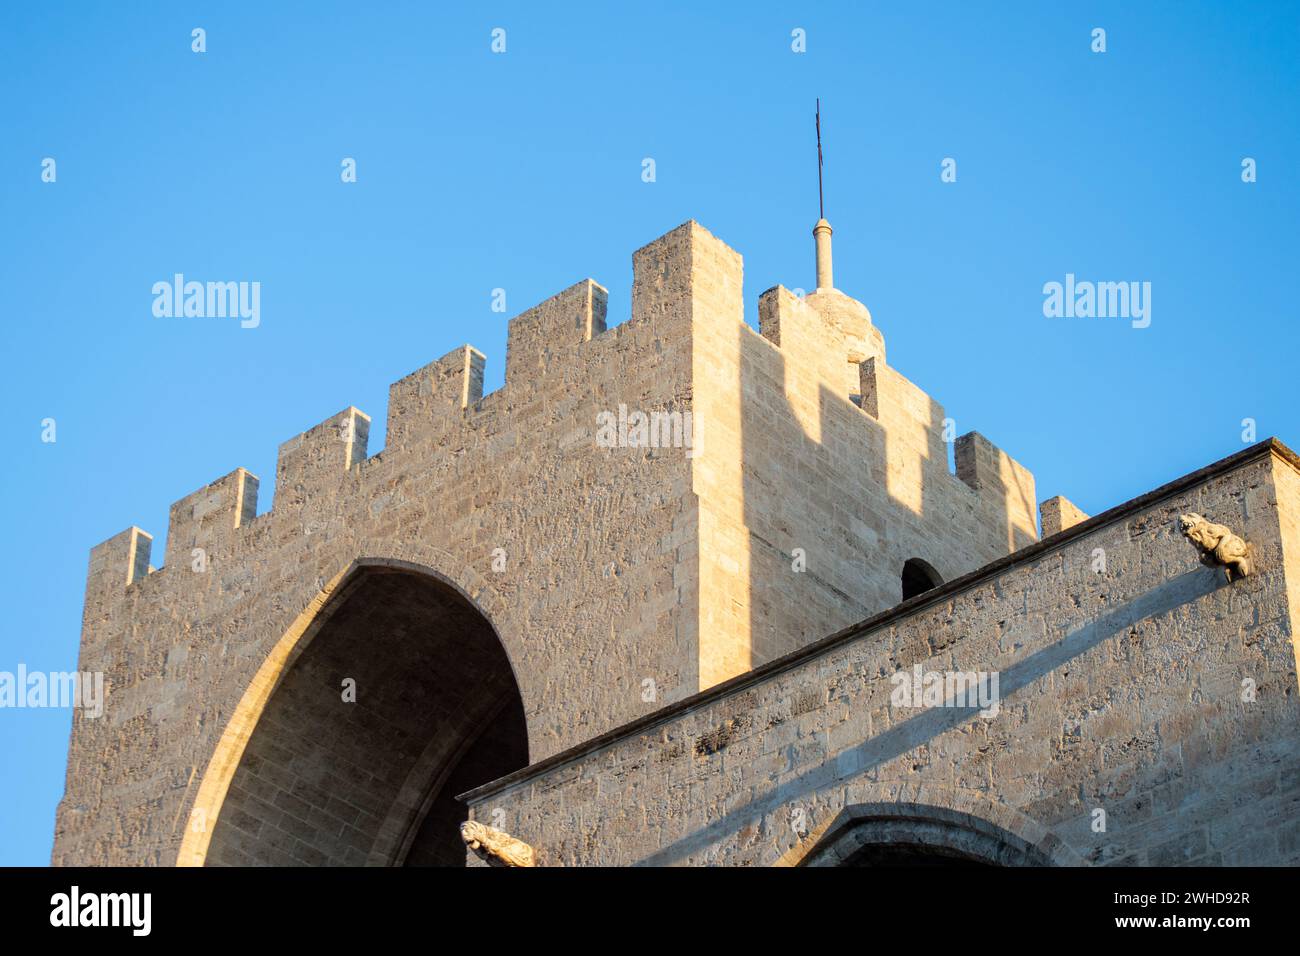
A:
x,y
1218,545
495,846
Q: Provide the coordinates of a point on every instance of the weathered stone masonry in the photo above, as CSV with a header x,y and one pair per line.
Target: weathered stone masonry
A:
x,y
498,589
1121,691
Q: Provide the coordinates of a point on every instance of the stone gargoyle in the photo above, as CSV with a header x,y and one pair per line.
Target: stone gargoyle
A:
x,y
1218,545
495,846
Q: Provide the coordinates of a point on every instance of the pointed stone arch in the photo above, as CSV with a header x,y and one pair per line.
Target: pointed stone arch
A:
x,y
436,708
955,826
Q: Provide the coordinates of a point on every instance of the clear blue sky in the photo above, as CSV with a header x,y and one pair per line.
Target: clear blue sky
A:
x,y
523,171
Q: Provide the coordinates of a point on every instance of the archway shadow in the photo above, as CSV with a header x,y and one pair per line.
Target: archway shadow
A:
x,y
397,696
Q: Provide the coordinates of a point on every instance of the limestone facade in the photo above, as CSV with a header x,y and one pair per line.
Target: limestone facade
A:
x,y
625,619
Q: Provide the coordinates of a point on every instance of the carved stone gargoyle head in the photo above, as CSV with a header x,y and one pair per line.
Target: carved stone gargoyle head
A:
x,y
495,846
1218,545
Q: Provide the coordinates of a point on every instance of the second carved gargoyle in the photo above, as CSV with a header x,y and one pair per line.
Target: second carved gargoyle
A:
x,y
496,847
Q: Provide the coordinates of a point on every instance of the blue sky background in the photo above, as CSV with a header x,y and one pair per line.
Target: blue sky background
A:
x,y
523,171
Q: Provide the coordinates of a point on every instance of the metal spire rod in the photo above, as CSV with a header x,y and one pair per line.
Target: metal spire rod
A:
x,y
821,206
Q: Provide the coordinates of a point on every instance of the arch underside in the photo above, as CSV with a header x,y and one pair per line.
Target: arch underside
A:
x,y
913,836
401,698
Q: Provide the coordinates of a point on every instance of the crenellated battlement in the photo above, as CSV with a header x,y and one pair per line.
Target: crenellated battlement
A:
x,y
551,329
684,277
207,518
434,395
116,564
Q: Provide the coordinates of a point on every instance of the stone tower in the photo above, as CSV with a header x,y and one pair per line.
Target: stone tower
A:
x,y
640,513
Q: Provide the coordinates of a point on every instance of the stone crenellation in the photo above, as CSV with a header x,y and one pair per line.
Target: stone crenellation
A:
x,y
814,338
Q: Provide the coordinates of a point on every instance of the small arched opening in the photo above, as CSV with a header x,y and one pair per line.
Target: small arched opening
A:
x,y
918,577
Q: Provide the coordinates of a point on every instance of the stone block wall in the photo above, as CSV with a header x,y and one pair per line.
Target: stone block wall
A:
x,y
1152,696
591,601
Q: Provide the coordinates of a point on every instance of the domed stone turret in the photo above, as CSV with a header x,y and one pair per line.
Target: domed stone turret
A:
x,y
842,313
